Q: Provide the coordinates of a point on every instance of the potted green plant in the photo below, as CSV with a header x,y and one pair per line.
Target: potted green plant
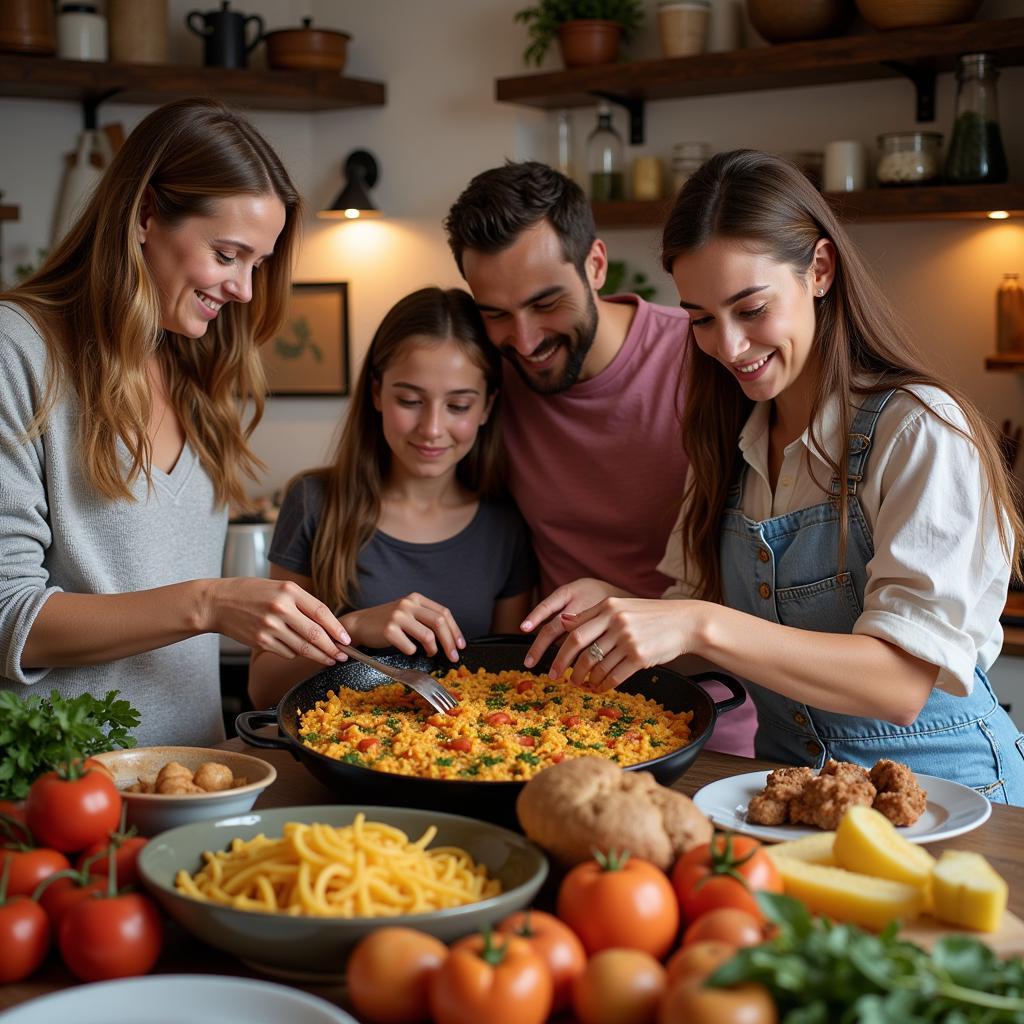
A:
x,y
588,31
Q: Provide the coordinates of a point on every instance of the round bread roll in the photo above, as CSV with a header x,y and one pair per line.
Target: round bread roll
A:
x,y
588,803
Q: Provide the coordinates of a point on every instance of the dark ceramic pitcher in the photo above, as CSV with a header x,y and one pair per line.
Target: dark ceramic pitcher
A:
x,y
223,33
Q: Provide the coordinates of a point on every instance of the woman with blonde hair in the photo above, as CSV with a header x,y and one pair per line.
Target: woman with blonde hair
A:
x,y
407,533
848,527
128,360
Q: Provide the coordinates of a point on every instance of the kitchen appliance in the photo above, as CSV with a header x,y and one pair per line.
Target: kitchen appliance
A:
x,y
493,801
224,35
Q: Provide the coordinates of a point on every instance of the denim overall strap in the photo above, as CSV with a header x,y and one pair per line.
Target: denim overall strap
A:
x,y
786,569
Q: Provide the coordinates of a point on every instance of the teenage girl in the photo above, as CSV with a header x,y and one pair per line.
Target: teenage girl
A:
x,y
405,534
848,527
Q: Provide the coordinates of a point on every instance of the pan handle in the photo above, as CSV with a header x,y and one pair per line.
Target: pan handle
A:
x,y
734,686
248,721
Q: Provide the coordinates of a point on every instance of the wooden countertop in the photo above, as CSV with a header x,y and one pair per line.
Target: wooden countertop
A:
x,y
1000,839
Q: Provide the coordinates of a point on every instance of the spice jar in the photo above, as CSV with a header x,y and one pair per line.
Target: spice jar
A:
x,y
1010,315
81,33
976,152
687,157
908,158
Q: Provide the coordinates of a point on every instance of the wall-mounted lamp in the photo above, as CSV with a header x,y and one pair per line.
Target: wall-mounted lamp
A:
x,y
353,201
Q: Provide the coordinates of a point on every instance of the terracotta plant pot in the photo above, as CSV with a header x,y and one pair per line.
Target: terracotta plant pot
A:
x,y
786,21
307,48
589,41
883,14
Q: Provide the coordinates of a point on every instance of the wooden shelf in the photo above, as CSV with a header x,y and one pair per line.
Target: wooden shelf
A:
x,y
783,66
92,82
9,212
940,202
1008,363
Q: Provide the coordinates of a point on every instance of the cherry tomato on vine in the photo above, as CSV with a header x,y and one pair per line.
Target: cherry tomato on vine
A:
x,y
29,866
726,872
59,895
556,944
72,811
126,855
620,901
24,933
9,809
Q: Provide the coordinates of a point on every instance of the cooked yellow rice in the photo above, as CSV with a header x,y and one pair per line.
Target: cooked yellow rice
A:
x,y
389,729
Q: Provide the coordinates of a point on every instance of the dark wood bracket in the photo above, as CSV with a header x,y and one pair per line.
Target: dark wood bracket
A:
x,y
635,108
90,108
924,85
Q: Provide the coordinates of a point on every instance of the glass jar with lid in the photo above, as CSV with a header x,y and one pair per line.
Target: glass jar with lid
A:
x,y
976,152
909,158
687,157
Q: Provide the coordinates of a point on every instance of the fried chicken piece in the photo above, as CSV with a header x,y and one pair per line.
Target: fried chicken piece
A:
x,y
846,770
899,796
826,798
771,805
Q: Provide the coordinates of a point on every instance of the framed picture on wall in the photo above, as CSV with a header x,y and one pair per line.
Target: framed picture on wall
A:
x,y
309,355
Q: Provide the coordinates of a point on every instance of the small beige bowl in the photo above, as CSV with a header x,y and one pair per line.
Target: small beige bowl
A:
x,y
152,813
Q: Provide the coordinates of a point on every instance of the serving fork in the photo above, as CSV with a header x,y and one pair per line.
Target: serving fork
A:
x,y
439,698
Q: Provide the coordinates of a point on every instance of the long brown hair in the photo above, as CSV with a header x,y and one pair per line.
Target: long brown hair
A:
x,y
354,480
770,205
99,310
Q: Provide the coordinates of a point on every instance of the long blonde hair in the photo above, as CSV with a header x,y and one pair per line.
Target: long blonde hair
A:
x,y
99,310
354,480
769,204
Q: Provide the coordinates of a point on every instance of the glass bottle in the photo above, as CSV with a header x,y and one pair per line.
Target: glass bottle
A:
x,y
1010,315
976,152
605,159
687,157
563,143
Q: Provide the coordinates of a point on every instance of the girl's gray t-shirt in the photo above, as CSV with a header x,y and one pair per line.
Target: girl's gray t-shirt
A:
x,y
490,559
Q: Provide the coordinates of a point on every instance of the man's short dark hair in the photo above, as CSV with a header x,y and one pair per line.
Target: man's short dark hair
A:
x,y
499,204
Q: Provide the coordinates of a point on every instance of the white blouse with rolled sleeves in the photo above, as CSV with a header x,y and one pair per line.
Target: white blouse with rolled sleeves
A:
x,y
937,582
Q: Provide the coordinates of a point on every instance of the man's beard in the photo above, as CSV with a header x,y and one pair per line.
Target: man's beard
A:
x,y
577,346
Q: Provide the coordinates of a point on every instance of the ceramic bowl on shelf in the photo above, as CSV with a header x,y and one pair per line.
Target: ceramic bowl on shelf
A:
x,y
786,21
316,947
884,14
307,48
152,813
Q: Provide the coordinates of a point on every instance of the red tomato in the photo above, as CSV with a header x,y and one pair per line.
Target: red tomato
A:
x,y
524,685
726,924
29,867
126,856
498,718
699,959
612,713
70,814
556,944
690,1003
620,901
527,741
367,744
724,873
24,937
62,894
500,983
619,986
111,937
389,973
9,809
458,744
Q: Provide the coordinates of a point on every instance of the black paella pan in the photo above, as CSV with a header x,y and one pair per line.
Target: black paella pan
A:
x,y
493,801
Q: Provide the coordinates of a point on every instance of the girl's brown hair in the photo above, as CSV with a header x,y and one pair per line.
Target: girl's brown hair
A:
x,y
769,205
354,481
99,311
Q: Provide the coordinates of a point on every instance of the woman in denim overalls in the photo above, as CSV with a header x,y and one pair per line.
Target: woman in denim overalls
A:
x,y
848,527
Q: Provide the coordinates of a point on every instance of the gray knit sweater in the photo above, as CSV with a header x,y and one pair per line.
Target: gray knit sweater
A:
x,y
57,534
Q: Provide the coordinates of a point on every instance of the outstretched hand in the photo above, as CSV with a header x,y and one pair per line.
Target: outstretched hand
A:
x,y
556,613
276,616
411,620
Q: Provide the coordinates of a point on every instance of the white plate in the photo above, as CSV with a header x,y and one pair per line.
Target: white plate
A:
x,y
173,998
952,809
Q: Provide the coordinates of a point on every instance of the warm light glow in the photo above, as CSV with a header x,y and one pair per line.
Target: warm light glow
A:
x,y
998,214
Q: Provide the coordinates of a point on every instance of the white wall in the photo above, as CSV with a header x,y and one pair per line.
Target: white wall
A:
x,y
441,125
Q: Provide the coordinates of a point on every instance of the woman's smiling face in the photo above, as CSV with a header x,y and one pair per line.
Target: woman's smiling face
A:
x,y
203,262
752,313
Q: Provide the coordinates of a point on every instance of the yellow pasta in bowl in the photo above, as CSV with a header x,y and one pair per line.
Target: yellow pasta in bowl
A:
x,y
291,890
366,869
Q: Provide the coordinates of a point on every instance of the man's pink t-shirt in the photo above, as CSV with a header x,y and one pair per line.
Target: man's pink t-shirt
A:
x,y
598,472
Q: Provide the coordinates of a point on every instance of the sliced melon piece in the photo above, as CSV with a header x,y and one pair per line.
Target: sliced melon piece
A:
x,y
866,841
968,891
816,849
847,896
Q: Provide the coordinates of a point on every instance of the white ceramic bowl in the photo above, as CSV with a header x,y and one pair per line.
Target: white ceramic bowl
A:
x,y
152,813
317,947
